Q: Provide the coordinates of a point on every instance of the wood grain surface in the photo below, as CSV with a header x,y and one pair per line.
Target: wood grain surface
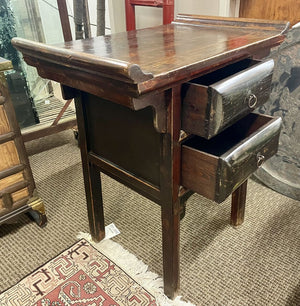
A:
x,y
152,58
4,125
10,180
271,9
9,155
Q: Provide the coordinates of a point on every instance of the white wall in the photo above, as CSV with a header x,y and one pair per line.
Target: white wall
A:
x,y
150,16
202,7
51,21
115,14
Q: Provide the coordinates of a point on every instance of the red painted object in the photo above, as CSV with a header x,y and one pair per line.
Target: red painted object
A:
x,y
167,6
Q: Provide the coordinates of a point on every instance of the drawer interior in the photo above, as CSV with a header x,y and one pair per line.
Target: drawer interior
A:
x,y
229,138
225,72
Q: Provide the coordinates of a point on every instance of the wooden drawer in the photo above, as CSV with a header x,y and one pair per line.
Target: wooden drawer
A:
x,y
215,168
214,101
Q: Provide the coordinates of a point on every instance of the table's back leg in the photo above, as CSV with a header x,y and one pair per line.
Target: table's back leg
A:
x,y
238,203
96,209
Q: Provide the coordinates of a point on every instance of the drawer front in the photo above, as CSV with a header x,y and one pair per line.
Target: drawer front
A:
x,y
215,168
13,184
10,197
209,108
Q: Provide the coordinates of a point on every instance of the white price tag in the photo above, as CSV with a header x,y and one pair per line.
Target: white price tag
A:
x,y
111,231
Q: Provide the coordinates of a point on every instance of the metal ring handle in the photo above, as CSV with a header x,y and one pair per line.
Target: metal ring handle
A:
x,y
259,159
252,100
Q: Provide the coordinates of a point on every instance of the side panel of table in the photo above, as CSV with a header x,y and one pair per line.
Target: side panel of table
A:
x,y
125,145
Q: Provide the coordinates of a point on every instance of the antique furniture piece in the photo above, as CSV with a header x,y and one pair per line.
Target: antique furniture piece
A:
x,y
17,188
136,93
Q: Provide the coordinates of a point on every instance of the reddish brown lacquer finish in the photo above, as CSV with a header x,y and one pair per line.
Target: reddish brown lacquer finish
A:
x,y
130,102
153,58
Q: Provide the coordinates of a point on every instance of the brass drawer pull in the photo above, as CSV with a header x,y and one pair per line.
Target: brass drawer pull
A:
x,y
260,159
252,100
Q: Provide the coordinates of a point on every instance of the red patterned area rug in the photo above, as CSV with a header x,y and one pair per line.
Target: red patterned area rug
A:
x,y
90,274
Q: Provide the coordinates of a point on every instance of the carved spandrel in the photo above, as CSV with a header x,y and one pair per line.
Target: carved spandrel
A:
x,y
158,104
156,101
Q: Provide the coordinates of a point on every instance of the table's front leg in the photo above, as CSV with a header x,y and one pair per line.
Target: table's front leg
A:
x,y
92,181
170,214
170,184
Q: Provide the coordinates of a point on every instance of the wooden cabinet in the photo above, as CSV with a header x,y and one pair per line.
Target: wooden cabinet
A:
x,y
131,92
17,188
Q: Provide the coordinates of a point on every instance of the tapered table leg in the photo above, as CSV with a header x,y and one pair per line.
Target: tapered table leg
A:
x,y
238,203
92,180
170,186
170,236
96,205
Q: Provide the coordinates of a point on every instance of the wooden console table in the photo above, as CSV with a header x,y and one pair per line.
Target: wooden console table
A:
x,y
167,112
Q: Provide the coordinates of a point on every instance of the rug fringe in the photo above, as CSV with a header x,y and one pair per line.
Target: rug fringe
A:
x,y
136,269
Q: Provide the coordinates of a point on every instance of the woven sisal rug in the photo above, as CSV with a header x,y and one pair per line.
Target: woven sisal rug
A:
x,y
90,274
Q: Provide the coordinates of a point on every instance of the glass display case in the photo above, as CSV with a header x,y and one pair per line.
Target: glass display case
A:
x,y
36,100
